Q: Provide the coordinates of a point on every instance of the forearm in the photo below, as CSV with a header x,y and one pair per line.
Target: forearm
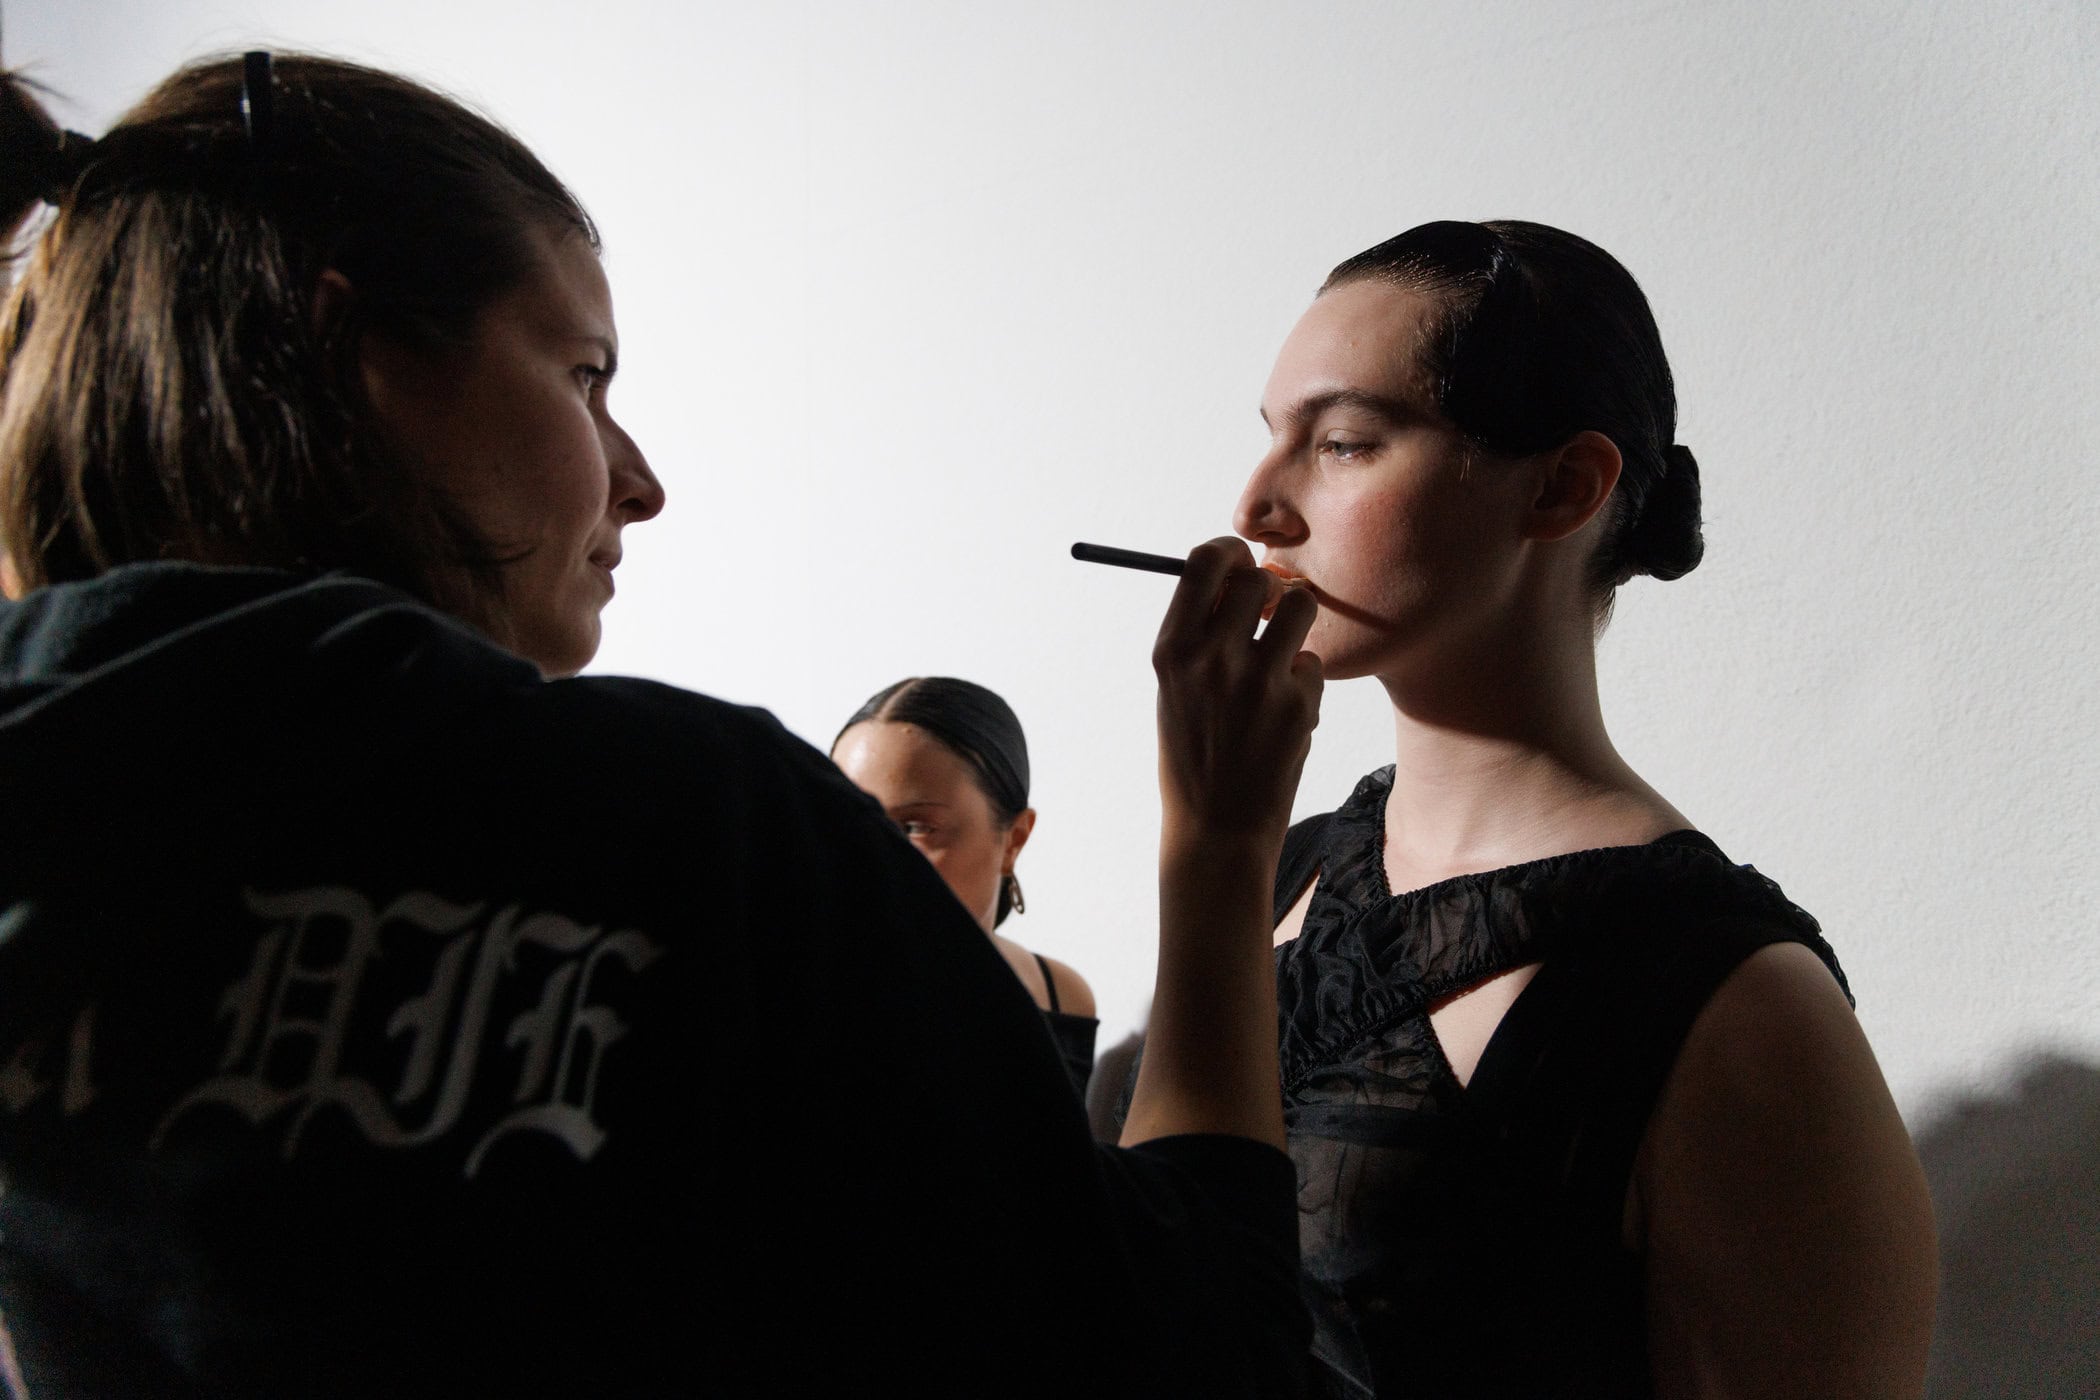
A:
x,y
1210,1054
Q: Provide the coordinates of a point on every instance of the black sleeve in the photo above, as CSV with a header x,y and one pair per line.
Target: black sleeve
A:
x,y
1242,1330
922,1178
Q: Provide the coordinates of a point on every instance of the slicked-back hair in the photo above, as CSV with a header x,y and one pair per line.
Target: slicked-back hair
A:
x,y
1540,335
168,389
975,725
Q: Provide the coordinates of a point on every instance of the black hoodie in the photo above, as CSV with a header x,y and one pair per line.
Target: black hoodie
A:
x,y
377,1018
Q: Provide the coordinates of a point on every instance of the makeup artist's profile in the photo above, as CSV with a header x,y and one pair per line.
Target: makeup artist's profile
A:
x,y
388,1010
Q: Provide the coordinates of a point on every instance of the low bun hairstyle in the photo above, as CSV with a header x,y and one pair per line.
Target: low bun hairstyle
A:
x,y
974,724
1544,335
1664,540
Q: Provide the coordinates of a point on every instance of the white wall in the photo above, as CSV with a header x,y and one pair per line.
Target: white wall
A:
x,y
915,293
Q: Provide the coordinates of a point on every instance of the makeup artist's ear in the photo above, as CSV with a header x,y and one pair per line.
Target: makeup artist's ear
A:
x,y
333,297
10,579
1572,483
393,374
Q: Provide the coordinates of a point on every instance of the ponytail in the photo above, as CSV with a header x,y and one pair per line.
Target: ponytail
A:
x,y
39,160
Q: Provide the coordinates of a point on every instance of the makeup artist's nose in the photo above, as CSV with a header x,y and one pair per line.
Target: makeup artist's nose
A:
x,y
637,494
1264,514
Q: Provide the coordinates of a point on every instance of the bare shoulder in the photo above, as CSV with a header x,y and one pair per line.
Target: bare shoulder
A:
x,y
1074,996
1780,1203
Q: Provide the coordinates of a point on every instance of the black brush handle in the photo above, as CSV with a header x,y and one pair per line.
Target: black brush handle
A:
x,y
1129,559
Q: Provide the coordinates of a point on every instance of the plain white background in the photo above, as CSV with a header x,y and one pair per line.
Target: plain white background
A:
x,y
914,294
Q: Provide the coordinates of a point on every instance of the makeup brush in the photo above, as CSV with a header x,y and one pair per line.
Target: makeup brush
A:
x,y
1128,559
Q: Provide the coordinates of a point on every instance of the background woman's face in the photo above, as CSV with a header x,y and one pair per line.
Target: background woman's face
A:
x,y
1367,490
932,794
514,426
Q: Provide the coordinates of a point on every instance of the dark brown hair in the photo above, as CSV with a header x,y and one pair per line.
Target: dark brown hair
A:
x,y
1543,335
976,726
165,389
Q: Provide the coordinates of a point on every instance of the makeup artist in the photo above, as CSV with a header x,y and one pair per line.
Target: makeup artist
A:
x,y
384,1011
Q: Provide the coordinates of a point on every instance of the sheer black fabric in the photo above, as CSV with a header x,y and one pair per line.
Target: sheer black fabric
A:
x,y
1466,1241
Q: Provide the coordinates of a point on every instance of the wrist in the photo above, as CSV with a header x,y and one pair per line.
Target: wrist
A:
x,y
1215,862
1187,838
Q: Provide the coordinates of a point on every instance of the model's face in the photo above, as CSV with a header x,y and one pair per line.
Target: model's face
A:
x,y
515,428
1366,490
932,795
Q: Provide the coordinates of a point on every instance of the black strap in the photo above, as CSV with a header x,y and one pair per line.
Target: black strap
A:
x,y
1049,982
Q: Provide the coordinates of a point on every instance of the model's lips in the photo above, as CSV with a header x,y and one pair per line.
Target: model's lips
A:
x,y
1287,578
606,561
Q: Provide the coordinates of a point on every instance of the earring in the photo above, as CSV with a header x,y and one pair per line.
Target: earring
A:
x,y
1013,894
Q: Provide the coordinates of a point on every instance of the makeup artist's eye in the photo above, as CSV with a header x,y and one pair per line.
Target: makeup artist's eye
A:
x,y
916,828
593,378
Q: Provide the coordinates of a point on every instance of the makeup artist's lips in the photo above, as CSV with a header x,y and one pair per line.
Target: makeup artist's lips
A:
x,y
605,564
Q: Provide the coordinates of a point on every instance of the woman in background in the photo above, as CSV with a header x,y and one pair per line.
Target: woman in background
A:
x,y
1579,1106
948,762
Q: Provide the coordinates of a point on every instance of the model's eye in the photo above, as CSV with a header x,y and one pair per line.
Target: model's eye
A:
x,y
916,829
1347,449
594,378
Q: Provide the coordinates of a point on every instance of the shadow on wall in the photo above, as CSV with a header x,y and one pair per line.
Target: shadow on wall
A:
x,y
2016,1185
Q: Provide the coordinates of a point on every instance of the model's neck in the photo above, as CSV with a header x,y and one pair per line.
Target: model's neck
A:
x,y
1501,756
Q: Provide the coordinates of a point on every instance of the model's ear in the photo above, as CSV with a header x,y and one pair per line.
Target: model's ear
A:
x,y
10,580
1574,481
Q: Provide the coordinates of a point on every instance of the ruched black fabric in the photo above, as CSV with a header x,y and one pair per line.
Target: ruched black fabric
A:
x,y
1465,1241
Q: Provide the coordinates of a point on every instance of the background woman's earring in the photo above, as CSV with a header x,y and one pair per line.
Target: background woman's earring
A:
x,y
1013,894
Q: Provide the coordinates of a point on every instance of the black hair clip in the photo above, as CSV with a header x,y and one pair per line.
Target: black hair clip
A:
x,y
256,105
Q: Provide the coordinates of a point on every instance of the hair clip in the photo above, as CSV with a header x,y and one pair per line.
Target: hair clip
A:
x,y
256,106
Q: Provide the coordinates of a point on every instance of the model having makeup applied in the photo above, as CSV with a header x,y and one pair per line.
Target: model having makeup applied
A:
x,y
386,1009
1579,1105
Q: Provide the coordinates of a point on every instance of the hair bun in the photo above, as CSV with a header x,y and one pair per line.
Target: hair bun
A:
x,y
1664,541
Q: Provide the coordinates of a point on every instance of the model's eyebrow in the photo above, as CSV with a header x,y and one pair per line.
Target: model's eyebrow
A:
x,y
1307,409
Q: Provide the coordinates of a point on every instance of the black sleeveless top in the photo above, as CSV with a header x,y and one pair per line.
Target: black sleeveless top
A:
x,y
1074,1034
1465,1241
